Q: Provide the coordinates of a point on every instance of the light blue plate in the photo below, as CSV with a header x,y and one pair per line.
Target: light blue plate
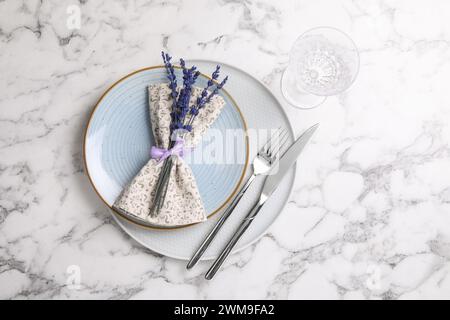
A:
x,y
119,137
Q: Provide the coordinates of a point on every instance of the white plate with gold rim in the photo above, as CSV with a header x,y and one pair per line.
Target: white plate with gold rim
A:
x,y
119,137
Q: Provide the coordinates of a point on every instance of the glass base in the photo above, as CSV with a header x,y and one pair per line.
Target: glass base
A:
x,y
296,97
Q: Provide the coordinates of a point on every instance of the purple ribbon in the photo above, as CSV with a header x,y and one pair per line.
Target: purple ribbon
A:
x,y
161,154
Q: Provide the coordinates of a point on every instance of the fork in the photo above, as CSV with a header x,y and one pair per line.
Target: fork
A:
x,y
262,163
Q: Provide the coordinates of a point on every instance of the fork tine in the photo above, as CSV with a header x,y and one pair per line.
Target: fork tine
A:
x,y
266,146
279,143
283,142
276,138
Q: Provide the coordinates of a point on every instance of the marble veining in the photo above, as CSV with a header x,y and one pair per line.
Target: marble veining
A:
x,y
369,217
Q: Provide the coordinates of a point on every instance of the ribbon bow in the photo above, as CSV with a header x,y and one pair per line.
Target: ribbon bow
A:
x,y
161,154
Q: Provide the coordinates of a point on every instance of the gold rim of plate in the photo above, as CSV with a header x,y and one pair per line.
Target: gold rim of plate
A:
x,y
128,219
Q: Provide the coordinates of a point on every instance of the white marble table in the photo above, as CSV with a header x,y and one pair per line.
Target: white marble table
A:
x,y
370,213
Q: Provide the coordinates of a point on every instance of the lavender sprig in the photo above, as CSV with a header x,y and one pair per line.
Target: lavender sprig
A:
x,y
182,107
216,90
181,100
204,98
210,83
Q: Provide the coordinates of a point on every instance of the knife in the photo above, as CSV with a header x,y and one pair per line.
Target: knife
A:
x,y
274,177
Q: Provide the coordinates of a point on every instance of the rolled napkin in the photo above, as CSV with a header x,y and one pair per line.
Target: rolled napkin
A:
x,y
183,204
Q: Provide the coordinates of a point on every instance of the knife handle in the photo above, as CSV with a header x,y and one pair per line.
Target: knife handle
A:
x,y
212,234
234,240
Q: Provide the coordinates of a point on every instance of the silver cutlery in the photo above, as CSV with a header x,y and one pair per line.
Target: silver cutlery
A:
x,y
262,163
162,184
274,177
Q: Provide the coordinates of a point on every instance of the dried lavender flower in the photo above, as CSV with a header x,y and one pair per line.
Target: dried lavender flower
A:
x,y
201,100
204,97
172,79
216,90
189,78
181,99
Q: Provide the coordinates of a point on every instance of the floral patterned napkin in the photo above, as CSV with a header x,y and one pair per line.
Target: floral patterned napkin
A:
x,y
183,204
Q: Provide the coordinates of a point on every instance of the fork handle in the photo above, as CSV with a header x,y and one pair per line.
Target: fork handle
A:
x,y
212,234
230,245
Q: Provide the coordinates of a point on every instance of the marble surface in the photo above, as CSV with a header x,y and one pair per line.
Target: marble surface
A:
x,y
369,217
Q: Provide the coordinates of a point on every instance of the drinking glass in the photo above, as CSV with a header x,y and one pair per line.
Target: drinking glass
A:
x,y
323,62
